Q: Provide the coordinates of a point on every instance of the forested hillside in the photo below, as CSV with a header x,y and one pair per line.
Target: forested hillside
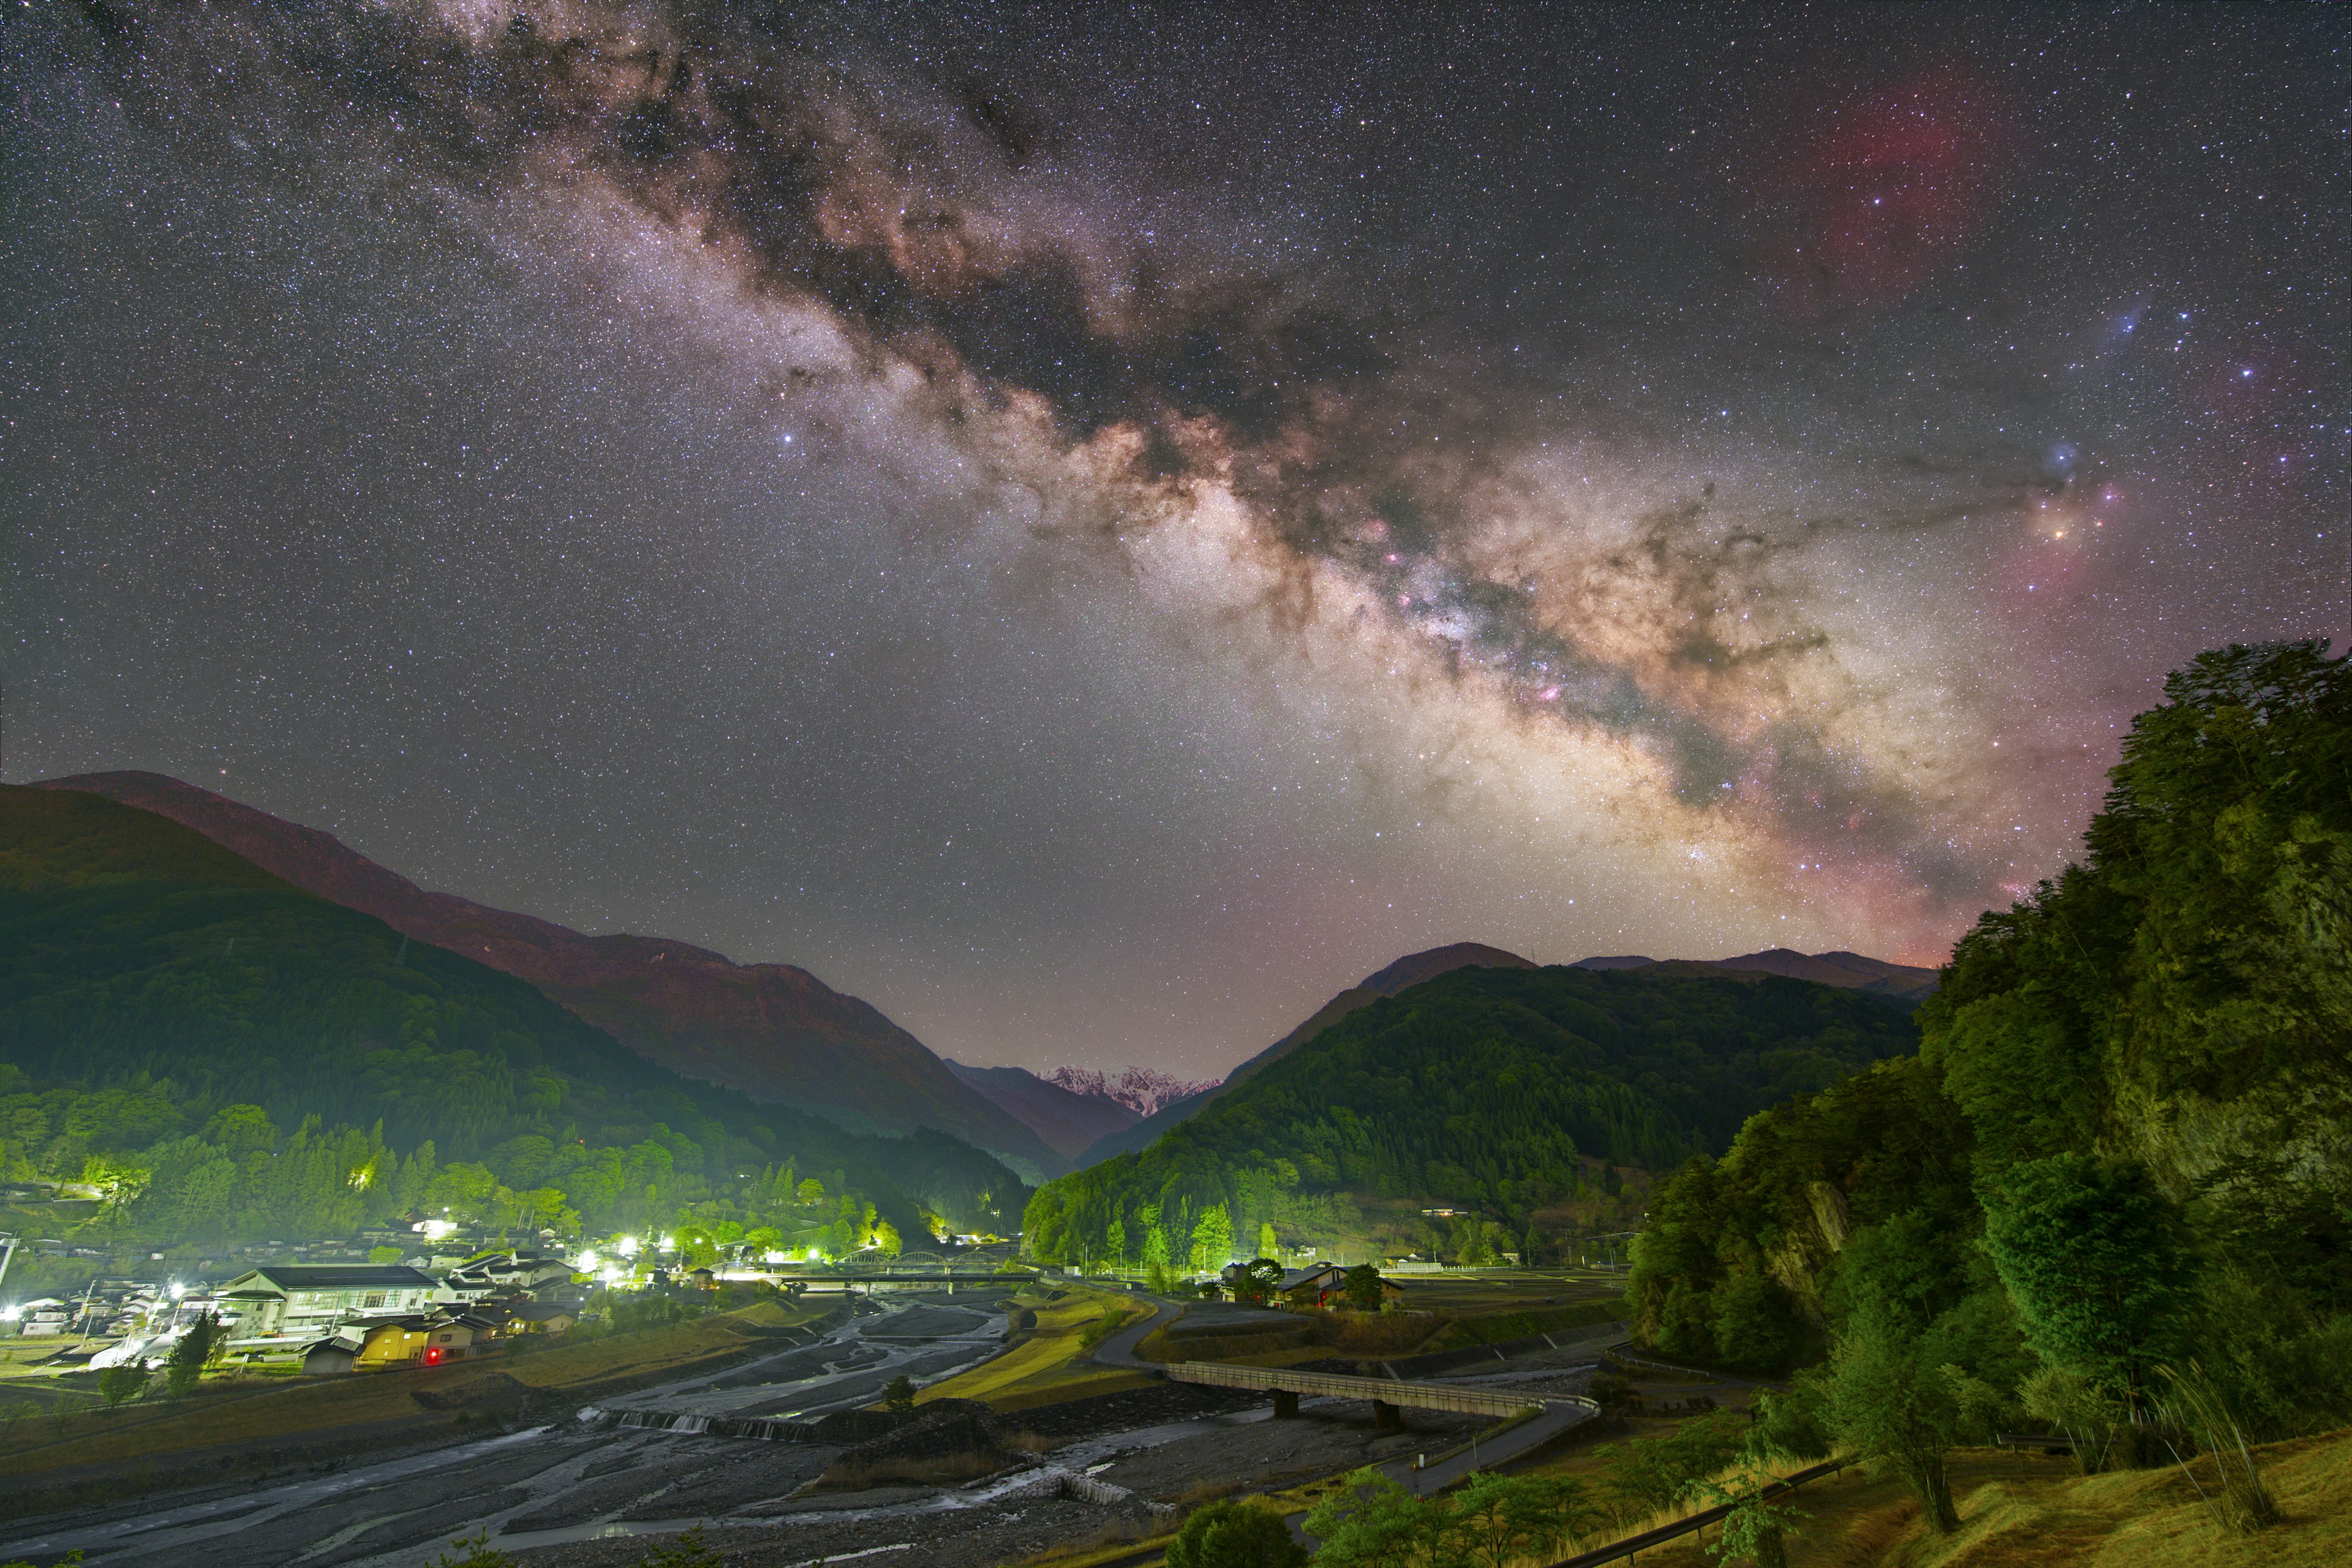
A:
x,y
2113,1190
220,1054
1485,1088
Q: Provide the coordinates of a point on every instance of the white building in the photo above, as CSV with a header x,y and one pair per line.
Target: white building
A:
x,y
309,1300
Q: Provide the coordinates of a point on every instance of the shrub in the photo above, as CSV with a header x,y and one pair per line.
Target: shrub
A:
x,y
1235,1534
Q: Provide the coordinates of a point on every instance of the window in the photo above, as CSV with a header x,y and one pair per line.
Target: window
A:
x,y
375,1298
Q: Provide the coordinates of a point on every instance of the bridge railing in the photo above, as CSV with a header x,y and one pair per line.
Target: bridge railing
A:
x,y
1337,1385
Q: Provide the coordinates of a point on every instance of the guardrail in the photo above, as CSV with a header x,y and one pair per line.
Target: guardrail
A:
x,y
1618,1551
1336,1385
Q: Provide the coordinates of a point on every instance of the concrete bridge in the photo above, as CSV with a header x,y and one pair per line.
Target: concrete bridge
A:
x,y
1386,1396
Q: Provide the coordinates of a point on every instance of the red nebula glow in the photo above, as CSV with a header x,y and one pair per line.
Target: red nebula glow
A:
x,y
1880,199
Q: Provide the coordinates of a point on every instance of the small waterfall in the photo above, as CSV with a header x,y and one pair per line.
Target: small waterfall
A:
x,y
759,1428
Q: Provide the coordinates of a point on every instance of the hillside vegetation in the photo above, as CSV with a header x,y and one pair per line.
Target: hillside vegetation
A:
x,y
1485,1088
216,1054
2111,1194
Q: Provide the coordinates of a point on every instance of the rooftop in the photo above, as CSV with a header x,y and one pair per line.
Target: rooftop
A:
x,y
345,1277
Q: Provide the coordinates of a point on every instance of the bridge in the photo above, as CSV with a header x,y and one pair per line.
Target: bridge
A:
x,y
1387,1394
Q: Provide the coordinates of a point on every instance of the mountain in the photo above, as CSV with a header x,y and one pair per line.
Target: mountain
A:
x,y
1141,1089
171,1003
1067,1122
775,1031
1898,982
1487,1087
1409,971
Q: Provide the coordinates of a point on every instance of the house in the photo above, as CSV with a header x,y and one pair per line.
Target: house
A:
x,y
500,1272
46,1315
1326,1285
368,1347
460,1336
703,1279
1312,1287
544,1318
311,1301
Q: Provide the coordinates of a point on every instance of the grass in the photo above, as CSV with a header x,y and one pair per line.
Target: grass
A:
x,y
2028,1511
1493,1327
1052,1363
242,1408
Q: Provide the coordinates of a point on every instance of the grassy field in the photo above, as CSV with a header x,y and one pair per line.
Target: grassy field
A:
x,y
1052,1364
2019,1511
244,1408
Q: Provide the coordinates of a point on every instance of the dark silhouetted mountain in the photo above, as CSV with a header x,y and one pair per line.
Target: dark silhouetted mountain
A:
x,y
1067,1122
1405,972
1897,982
773,1031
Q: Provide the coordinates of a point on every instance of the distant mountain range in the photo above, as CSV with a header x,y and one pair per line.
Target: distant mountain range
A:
x,y
1067,1121
779,1034
774,1032
1141,1089
1900,985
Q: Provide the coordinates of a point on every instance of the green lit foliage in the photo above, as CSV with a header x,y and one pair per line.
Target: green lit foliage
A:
x,y
1489,1522
122,1383
225,1057
1484,1087
2096,1262
197,1349
477,1552
1235,1534
2125,1133
690,1550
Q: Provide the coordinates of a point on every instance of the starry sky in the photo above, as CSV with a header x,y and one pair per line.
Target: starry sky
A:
x,y
1094,528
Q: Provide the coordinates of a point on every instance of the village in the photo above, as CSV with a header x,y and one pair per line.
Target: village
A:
x,y
344,1306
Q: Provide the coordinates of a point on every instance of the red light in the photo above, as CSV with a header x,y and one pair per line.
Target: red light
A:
x,y
433,1356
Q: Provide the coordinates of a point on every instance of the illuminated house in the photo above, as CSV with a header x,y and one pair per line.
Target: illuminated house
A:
x,y
368,1347
307,1301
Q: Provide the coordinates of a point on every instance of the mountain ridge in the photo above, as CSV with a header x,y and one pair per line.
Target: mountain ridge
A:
x,y
1386,981
1893,983
753,1027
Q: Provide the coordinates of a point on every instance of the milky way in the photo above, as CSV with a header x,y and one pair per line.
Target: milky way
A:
x,y
1094,530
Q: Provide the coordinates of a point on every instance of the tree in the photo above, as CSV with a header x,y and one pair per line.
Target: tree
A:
x,y
1235,1534
900,1397
885,1238
186,1362
1212,1238
688,1550
1496,1520
1257,1281
479,1553
1268,1244
1373,1522
2095,1260
1756,1530
1361,1288
1115,1241
123,1382
1887,1396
